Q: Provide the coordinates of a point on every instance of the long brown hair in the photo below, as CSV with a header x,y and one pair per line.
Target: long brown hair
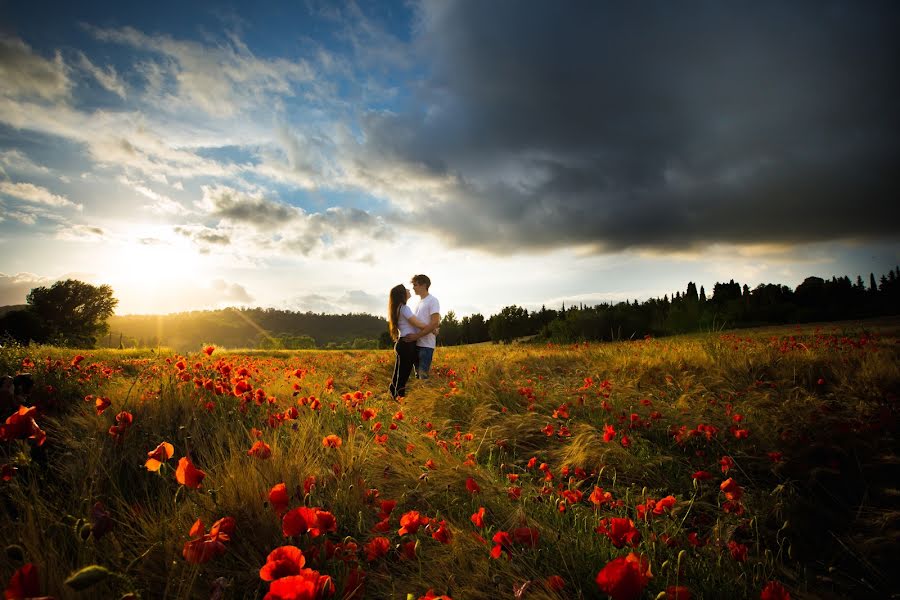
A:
x,y
396,300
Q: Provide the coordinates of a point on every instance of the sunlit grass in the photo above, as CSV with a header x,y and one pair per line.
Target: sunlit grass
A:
x,y
812,514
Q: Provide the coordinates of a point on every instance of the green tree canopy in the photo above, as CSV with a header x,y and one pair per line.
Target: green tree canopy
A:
x,y
73,312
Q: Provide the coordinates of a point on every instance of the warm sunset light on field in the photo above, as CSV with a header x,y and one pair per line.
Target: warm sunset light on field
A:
x,y
310,156
449,300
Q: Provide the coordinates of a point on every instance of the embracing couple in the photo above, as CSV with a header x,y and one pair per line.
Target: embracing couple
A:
x,y
414,333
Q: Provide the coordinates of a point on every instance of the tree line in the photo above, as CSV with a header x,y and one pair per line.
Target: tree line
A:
x,y
731,305
263,328
74,313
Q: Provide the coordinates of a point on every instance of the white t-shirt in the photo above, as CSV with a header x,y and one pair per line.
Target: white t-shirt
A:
x,y
427,306
403,323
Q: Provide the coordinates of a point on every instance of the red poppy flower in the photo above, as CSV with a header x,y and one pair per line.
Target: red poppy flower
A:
x,y
598,497
101,404
123,421
738,551
203,547
282,562
411,521
225,525
369,413
377,548
306,585
472,486
678,592
101,522
159,455
332,441
299,521
387,507
8,472
620,531
326,520
187,474
502,543
430,595
478,517
209,350
702,475
609,432
382,526
573,496
727,463
260,450
774,591
442,534
664,504
278,498
625,578
22,424
556,583
732,490
24,583
526,536
695,540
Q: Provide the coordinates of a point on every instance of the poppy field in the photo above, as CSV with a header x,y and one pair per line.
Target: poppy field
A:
x,y
747,464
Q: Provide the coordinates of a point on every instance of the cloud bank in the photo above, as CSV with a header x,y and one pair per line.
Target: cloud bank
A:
x,y
650,125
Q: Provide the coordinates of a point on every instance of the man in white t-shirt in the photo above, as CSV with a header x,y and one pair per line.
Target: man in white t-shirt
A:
x,y
429,311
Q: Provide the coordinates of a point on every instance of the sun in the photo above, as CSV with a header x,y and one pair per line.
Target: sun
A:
x,y
146,272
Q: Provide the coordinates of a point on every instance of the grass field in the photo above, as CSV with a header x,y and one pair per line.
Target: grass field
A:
x,y
755,463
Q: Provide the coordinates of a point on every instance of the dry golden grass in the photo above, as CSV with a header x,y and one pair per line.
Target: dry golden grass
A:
x,y
826,400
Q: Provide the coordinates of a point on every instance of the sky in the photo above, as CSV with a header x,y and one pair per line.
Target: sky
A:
x,y
312,155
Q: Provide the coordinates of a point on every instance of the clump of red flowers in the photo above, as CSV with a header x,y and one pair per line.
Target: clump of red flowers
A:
x,y
203,547
123,422
625,578
21,424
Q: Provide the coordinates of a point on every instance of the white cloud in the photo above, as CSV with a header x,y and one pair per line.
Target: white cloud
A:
x,y
119,139
107,78
17,162
230,292
25,218
162,204
14,288
221,80
81,233
265,227
247,208
33,193
26,74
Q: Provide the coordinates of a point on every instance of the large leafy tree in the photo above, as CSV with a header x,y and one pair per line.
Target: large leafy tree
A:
x,y
73,312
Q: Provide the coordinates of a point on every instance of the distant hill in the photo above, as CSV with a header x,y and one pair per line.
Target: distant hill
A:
x,y
244,328
11,308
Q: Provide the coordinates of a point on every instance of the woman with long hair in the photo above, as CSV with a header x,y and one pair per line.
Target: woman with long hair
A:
x,y
402,322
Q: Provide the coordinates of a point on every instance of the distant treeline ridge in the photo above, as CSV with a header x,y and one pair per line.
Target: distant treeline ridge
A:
x,y
731,305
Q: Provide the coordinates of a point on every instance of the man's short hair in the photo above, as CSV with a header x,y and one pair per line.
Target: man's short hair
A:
x,y
422,280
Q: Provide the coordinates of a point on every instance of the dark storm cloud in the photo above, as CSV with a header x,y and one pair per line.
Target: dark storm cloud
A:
x,y
655,125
